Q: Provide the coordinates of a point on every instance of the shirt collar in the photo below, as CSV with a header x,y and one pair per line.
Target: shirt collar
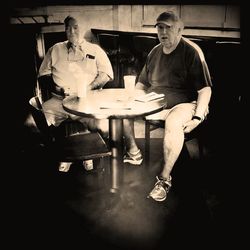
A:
x,y
70,46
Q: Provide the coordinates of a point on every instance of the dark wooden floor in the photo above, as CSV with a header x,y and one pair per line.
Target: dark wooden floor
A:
x,y
54,209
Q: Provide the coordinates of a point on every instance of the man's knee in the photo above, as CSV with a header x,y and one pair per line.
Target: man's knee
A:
x,y
97,124
102,125
173,123
179,115
54,118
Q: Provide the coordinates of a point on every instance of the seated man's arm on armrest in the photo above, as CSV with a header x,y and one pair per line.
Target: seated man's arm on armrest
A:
x,y
141,86
47,85
101,79
204,96
201,111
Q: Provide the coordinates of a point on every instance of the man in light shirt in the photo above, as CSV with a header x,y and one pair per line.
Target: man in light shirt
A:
x,y
63,65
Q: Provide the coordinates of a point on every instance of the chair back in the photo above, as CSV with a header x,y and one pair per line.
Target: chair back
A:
x,y
66,142
144,44
109,42
39,117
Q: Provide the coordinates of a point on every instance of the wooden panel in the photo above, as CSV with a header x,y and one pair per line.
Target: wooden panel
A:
x,y
232,17
124,11
136,17
151,12
209,16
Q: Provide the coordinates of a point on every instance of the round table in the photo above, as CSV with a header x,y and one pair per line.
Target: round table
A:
x,y
113,104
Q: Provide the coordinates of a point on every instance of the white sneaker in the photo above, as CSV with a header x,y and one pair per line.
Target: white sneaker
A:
x,y
161,189
64,166
88,165
134,159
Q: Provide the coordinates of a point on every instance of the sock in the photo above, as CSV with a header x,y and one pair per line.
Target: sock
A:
x,y
134,153
165,179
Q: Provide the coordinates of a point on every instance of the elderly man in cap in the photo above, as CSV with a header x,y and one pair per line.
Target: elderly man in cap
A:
x,y
177,68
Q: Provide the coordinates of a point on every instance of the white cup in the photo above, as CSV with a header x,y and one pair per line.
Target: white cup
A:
x,y
83,81
129,84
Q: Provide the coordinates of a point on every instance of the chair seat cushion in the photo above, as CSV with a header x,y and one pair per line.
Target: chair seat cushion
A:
x,y
81,147
157,123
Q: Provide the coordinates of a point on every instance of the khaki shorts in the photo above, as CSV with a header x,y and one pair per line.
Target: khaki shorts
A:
x,y
55,114
183,112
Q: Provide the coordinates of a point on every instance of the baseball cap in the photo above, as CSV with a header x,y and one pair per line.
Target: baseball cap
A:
x,y
167,17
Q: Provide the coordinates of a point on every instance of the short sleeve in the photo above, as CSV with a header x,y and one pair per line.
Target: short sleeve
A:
x,y
198,70
103,62
46,66
143,77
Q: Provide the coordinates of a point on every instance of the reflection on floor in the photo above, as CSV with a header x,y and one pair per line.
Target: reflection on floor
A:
x,y
75,209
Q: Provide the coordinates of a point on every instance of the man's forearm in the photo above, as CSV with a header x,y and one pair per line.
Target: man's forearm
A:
x,y
203,100
141,86
100,81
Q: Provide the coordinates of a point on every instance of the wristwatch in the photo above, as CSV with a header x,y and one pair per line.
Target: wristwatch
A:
x,y
195,117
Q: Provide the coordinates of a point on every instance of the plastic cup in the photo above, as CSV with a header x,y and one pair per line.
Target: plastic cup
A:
x,y
129,84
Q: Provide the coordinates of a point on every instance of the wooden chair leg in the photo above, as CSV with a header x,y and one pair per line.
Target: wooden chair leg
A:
x,y
147,143
101,173
201,148
194,148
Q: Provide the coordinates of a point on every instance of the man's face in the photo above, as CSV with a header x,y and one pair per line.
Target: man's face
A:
x,y
168,34
73,31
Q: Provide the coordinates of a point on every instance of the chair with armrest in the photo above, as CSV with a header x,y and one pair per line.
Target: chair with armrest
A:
x,y
110,44
119,55
143,44
195,136
67,142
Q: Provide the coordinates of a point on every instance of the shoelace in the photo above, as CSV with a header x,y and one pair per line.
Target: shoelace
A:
x,y
160,184
166,184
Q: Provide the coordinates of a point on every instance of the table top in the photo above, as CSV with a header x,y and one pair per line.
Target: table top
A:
x,y
111,103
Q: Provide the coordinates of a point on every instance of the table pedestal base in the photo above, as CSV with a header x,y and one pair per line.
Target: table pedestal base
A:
x,y
116,144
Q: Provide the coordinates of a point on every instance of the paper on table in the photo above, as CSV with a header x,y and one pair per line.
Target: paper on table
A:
x,y
149,97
